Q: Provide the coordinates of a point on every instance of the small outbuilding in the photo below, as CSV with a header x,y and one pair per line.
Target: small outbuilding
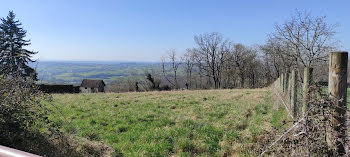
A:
x,y
92,86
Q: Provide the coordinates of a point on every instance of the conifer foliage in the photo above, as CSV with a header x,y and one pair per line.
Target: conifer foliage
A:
x,y
14,58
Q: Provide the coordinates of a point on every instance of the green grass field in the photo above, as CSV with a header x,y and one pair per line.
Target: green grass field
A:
x,y
175,123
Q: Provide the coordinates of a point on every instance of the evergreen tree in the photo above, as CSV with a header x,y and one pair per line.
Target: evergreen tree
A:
x,y
14,58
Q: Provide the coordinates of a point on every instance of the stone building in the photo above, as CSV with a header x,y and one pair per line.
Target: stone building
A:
x,y
92,86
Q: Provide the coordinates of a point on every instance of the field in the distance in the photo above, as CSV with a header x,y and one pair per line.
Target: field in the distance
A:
x,y
180,123
73,72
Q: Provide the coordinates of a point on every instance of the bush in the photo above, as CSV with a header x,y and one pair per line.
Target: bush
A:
x,y
25,123
20,107
21,112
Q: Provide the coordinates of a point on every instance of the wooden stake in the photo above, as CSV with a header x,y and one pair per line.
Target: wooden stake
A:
x,y
288,87
285,88
306,85
282,82
293,93
337,87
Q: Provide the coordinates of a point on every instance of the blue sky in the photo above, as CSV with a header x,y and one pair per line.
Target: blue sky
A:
x,y
144,30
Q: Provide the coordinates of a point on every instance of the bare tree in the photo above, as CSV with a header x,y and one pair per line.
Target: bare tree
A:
x,y
239,58
277,54
212,51
189,61
253,67
269,66
307,39
201,73
174,66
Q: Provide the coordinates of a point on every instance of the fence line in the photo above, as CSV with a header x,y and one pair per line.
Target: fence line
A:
x,y
283,102
297,105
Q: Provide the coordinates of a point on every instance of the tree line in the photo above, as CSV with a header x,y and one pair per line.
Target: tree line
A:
x,y
217,62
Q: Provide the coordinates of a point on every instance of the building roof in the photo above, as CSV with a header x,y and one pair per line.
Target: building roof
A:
x,y
92,83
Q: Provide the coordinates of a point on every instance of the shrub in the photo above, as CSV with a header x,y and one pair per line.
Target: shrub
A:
x,y
20,108
22,114
25,123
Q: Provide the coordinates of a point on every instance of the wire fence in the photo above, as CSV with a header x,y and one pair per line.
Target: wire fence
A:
x,y
319,125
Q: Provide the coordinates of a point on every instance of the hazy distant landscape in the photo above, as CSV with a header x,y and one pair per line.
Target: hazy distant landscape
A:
x,y
72,72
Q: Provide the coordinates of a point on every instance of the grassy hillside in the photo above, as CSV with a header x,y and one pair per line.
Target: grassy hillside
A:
x,y
181,123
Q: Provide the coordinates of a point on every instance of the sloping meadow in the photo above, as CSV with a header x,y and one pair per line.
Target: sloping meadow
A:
x,y
180,123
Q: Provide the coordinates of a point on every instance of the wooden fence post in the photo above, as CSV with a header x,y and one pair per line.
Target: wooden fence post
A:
x,y
283,75
337,87
293,93
306,85
289,87
277,87
285,88
282,82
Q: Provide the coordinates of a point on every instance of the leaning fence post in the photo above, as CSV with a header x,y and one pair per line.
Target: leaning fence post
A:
x,y
337,87
293,93
307,82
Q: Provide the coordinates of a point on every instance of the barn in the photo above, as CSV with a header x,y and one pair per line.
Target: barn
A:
x,y
92,86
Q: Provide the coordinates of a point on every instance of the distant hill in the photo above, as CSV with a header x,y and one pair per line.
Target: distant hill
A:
x,y
72,72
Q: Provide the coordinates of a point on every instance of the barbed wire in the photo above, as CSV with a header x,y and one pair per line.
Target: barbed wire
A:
x,y
309,134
